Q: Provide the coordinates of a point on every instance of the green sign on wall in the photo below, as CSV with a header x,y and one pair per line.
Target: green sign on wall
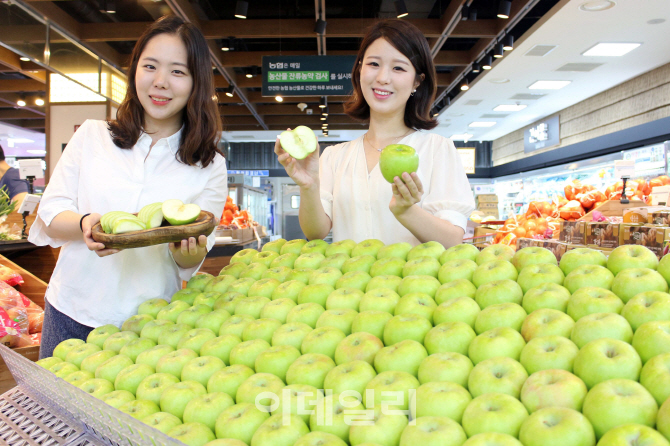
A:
x,y
307,75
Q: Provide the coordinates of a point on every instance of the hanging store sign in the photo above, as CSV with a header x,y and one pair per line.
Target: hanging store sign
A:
x,y
307,75
542,135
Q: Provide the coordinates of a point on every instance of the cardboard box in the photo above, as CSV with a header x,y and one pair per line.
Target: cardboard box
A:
x,y
487,198
572,232
482,206
659,218
602,235
635,215
613,208
523,242
651,236
555,246
490,212
659,195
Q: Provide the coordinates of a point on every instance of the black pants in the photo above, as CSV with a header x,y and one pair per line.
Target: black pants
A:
x,y
58,327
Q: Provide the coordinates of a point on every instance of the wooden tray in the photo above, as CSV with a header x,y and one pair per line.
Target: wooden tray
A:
x,y
204,225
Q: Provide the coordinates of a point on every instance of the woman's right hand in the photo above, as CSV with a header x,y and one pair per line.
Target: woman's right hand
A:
x,y
304,172
87,223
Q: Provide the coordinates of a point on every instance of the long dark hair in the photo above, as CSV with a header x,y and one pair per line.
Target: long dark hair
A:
x,y
407,39
202,123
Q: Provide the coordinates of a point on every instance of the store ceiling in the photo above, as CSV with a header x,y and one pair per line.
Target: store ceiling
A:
x,y
272,27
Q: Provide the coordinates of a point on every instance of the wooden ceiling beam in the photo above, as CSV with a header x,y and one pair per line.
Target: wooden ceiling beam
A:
x,y
288,120
18,113
250,58
453,58
478,29
234,110
19,85
292,109
12,60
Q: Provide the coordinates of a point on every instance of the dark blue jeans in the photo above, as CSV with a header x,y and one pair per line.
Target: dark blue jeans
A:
x,y
58,327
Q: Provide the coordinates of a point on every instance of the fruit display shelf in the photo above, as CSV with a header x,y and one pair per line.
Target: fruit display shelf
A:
x,y
48,411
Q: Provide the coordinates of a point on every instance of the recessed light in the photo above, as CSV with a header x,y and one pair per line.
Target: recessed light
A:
x,y
24,59
482,124
597,5
510,107
610,49
499,81
279,98
549,85
461,136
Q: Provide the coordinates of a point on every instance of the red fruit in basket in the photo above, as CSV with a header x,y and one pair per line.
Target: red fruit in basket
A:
x,y
569,191
645,188
656,182
665,179
572,211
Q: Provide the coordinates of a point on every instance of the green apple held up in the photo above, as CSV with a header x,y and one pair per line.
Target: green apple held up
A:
x,y
397,159
177,213
299,142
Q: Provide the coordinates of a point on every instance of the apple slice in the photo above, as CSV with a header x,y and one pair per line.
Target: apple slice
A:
x,y
108,217
120,216
299,142
124,225
151,215
177,213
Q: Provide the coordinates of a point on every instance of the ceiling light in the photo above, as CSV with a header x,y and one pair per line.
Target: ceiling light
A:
x,y
435,113
39,102
21,103
549,85
510,107
481,124
465,12
498,53
230,91
227,44
323,118
508,43
504,9
324,111
487,63
108,6
475,67
597,5
610,49
241,9
248,73
322,102
400,9
461,137
24,59
464,85
320,27
279,98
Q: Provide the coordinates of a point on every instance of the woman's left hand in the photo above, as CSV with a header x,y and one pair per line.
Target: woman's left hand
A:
x,y
190,247
407,191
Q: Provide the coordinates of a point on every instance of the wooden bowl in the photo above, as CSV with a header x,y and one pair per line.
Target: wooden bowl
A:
x,y
204,225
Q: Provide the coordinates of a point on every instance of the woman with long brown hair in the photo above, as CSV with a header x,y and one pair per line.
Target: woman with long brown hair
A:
x,y
344,190
162,145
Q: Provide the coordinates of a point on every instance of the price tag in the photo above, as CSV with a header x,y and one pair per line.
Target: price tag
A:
x,y
624,168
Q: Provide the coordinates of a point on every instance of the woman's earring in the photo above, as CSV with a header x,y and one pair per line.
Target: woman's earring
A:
x,y
413,91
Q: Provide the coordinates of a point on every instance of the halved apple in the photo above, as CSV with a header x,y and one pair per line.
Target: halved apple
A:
x,y
123,225
105,220
151,215
299,142
177,213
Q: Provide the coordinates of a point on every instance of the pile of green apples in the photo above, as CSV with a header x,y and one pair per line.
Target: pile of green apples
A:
x,y
149,217
309,343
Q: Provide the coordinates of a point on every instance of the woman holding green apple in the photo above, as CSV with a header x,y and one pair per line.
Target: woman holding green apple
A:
x,y
344,189
162,145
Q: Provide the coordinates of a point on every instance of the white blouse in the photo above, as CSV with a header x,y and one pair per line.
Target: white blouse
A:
x,y
94,175
358,202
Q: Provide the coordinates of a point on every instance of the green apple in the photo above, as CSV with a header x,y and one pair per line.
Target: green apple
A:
x,y
502,341
199,281
162,421
235,325
358,346
298,142
201,369
172,311
386,429
91,363
116,341
581,256
533,255
264,288
460,309
130,377
154,328
630,434
538,274
655,377
228,301
64,347
433,431
663,268
257,388
240,421
229,379
335,414
291,333
276,360
212,320
318,439
358,263
421,266
117,398
293,246
153,355
264,257
652,339
389,266
97,387
548,295
546,322
419,284
279,273
192,314
187,295
317,293
307,313
372,322
456,269
310,369
242,284
344,298
429,249
139,409
151,388
110,369
367,247
220,347
176,396
590,300
194,339
353,279
497,375
416,303
396,159
327,275
384,281
492,439
557,426
193,434
220,284
322,340
663,420
455,289
177,213
152,307
261,329
288,290
631,256
550,352
498,292
340,247
646,307
311,260
406,326
601,325
298,399
404,356
79,377
251,306
349,377
280,430
234,269
135,347
52,360
245,353
449,337
254,271
335,261
446,366
243,256
500,315
494,412
609,403
80,352
174,362
274,245
379,299
123,225
553,388
465,251
494,271
287,260
495,252
633,281
605,359
206,408
391,389
277,309
440,399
